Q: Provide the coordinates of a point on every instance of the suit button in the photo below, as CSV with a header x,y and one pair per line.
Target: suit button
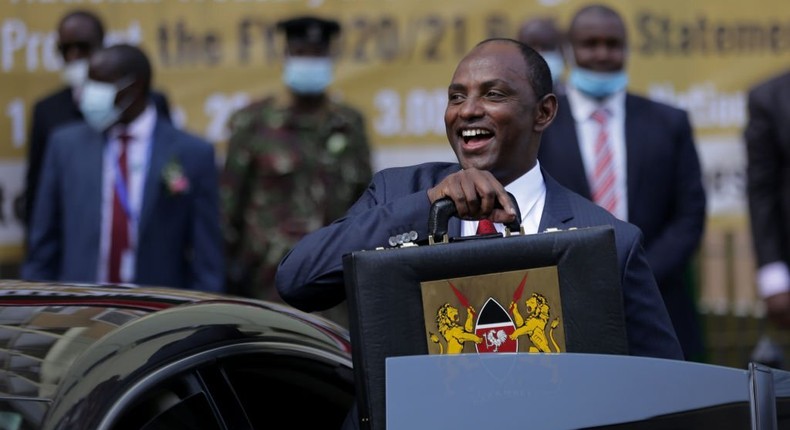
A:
x,y
413,235
393,241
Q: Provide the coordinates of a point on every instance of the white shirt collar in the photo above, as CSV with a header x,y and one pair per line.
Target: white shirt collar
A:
x,y
141,128
583,106
527,189
530,192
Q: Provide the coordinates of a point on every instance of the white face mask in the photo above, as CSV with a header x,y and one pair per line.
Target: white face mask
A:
x,y
97,104
75,73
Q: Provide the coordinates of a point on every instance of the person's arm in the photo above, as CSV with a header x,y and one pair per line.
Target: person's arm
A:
x,y
42,262
208,270
235,189
670,251
310,277
649,329
763,179
763,176
35,158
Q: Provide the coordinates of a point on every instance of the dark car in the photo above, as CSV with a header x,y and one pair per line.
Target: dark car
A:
x,y
111,357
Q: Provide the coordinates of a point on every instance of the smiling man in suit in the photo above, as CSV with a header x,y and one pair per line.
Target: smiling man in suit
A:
x,y
500,102
634,157
124,196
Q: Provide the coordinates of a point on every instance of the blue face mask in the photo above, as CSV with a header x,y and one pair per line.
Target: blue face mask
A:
x,y
556,64
307,75
97,104
598,84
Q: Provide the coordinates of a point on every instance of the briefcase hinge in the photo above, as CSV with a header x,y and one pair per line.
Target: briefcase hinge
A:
x,y
432,240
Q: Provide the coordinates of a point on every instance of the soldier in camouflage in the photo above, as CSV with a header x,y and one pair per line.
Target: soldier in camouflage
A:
x,y
294,163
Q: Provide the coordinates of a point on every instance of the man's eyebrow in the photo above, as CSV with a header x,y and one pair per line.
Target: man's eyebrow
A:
x,y
486,84
456,87
495,82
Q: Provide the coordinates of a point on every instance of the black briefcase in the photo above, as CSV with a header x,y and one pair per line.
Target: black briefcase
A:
x,y
549,292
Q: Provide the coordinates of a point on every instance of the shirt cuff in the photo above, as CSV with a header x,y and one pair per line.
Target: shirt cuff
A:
x,y
773,278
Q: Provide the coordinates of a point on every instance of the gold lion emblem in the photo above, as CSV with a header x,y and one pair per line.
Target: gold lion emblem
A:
x,y
448,323
534,326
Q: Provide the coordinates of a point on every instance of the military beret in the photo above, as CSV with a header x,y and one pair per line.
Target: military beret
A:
x,y
309,28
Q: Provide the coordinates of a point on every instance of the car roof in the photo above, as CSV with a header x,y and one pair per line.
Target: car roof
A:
x,y
48,329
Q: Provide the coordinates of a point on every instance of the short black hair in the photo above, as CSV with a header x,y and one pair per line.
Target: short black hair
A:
x,y
538,72
98,26
129,60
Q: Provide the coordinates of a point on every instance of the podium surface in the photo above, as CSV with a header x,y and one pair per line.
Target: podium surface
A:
x,y
566,391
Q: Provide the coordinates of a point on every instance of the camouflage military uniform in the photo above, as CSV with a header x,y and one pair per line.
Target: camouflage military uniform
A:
x,y
285,176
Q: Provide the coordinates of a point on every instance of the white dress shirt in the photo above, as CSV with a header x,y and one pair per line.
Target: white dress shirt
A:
x,y
582,108
137,159
530,193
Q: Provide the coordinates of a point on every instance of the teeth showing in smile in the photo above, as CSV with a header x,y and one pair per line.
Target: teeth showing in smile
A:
x,y
474,132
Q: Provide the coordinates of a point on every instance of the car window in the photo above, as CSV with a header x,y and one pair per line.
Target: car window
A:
x,y
194,412
228,393
179,403
291,384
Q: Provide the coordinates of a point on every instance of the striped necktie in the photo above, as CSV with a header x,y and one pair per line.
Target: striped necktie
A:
x,y
603,190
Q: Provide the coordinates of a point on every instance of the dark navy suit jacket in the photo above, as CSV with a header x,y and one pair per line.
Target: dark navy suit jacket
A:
x,y
49,113
179,239
666,198
767,138
310,277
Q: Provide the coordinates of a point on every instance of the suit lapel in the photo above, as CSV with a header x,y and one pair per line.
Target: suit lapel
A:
x,y
557,209
161,152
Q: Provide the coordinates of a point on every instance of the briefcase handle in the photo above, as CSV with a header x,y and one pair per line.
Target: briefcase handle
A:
x,y
444,208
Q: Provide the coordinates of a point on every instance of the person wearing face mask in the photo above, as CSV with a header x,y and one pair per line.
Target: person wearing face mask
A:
x,y
542,35
634,157
124,196
295,162
80,33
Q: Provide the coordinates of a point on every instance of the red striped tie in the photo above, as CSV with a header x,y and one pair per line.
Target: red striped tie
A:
x,y
119,236
604,175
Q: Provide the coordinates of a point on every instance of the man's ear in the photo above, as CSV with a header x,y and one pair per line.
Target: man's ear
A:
x,y
545,111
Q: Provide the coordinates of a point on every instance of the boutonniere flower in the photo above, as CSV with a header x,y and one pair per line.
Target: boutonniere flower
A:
x,y
174,177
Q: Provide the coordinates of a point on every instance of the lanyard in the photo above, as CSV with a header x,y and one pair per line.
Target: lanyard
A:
x,y
120,184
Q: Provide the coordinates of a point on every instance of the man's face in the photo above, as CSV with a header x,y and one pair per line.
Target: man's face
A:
x,y
599,42
104,68
490,115
305,48
77,38
540,35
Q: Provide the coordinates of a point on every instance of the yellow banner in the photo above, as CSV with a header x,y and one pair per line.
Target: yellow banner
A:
x,y
395,59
